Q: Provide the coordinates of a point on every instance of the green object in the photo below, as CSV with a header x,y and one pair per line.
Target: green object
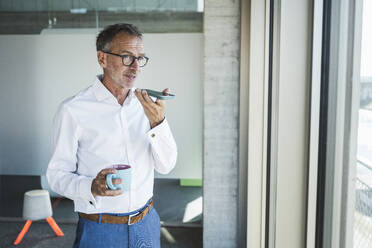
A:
x,y
191,182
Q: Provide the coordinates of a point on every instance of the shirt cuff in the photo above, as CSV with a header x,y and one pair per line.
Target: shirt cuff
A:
x,y
161,130
85,192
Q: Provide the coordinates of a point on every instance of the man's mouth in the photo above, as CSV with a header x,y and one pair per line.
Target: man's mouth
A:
x,y
131,77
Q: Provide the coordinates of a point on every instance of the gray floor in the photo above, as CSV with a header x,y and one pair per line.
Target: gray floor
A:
x,y
41,235
170,200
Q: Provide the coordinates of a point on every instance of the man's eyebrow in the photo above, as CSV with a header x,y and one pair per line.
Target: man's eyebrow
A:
x,y
126,51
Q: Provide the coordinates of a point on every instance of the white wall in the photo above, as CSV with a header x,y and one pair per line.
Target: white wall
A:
x,y
39,71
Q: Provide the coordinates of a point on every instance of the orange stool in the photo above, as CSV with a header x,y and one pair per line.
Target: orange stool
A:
x,y
36,206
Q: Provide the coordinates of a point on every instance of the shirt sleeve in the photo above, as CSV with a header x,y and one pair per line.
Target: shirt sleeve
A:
x,y
61,173
164,148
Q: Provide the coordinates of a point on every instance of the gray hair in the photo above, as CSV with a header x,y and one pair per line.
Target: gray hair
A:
x,y
105,37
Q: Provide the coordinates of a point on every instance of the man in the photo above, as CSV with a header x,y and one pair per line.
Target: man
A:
x,y
112,122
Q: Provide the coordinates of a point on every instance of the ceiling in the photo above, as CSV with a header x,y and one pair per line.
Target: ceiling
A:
x,y
102,5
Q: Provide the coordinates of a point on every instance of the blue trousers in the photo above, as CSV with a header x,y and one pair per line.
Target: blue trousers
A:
x,y
144,234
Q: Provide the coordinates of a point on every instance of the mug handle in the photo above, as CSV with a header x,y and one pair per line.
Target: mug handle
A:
x,y
109,183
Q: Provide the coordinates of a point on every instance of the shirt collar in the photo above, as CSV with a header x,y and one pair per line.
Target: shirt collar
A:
x,y
102,93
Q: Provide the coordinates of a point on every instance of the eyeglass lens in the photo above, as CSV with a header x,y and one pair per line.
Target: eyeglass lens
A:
x,y
128,60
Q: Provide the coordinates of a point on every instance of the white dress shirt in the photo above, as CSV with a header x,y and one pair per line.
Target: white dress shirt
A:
x,y
92,131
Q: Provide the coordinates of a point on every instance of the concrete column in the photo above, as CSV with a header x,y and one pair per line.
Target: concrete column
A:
x,y
221,119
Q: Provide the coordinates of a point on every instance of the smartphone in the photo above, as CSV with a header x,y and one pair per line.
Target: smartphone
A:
x,y
159,94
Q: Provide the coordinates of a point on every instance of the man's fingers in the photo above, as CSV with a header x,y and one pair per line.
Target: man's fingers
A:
x,y
106,171
116,181
166,92
111,192
138,94
147,98
141,98
160,102
99,184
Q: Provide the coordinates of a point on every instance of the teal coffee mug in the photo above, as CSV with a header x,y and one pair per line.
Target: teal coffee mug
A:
x,y
123,171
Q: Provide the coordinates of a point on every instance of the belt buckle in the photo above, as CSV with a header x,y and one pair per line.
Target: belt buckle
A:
x,y
130,217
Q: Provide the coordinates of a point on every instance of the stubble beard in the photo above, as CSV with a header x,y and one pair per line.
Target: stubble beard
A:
x,y
121,81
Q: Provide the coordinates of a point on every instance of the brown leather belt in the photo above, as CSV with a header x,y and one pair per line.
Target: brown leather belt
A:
x,y
112,219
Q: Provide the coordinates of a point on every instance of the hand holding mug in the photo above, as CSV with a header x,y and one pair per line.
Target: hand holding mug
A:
x,y
99,186
123,172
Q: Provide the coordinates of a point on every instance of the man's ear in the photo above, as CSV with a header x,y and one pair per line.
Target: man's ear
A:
x,y
102,59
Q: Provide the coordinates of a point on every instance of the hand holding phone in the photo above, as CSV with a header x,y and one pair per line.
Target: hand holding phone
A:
x,y
159,94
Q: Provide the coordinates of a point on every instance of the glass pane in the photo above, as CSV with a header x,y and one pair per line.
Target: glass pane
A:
x,y
363,206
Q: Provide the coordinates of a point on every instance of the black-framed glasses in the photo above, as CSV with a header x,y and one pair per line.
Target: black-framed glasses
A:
x,y
128,60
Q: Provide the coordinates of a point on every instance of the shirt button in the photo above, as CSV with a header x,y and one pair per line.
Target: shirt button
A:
x,y
153,135
91,202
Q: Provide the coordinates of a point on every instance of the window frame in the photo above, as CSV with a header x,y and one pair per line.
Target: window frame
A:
x,y
338,126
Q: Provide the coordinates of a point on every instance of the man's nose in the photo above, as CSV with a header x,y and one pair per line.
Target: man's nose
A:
x,y
135,65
